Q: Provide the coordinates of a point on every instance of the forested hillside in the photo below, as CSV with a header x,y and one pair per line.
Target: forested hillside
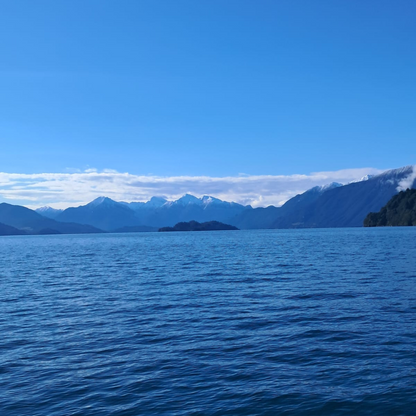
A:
x,y
399,211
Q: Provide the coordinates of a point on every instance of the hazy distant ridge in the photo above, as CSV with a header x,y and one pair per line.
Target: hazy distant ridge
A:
x,y
31,222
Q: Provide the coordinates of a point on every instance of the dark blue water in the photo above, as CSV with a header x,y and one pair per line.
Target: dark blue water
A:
x,y
298,322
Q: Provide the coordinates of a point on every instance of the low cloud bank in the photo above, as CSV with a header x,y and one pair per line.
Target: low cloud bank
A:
x,y
61,190
408,181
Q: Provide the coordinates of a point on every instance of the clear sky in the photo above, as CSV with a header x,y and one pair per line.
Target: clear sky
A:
x,y
207,87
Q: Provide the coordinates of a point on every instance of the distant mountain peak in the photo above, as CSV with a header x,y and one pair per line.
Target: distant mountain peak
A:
x,y
46,208
102,200
156,201
397,172
48,211
188,199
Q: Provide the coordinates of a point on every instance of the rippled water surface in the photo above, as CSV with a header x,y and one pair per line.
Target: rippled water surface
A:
x,y
302,322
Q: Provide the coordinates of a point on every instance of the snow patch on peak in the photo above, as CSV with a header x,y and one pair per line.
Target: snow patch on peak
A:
x,y
331,185
363,179
324,188
206,199
366,178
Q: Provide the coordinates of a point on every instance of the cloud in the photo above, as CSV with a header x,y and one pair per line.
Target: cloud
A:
x,y
407,182
61,190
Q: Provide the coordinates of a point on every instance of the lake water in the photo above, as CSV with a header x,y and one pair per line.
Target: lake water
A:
x,y
285,322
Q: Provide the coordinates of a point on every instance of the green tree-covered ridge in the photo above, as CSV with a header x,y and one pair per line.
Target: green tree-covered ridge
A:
x,y
399,211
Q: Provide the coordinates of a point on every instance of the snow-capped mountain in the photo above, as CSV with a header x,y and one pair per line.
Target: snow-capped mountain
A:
x,y
110,215
332,205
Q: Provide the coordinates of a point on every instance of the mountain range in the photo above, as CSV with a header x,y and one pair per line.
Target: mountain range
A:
x,y
348,205
21,220
333,205
112,216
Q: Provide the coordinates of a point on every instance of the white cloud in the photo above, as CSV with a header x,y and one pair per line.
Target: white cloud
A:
x,y
407,182
61,190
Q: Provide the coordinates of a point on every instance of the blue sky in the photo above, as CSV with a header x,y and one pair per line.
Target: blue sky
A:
x,y
206,88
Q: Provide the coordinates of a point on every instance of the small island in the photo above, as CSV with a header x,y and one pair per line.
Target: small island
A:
x,y
197,226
